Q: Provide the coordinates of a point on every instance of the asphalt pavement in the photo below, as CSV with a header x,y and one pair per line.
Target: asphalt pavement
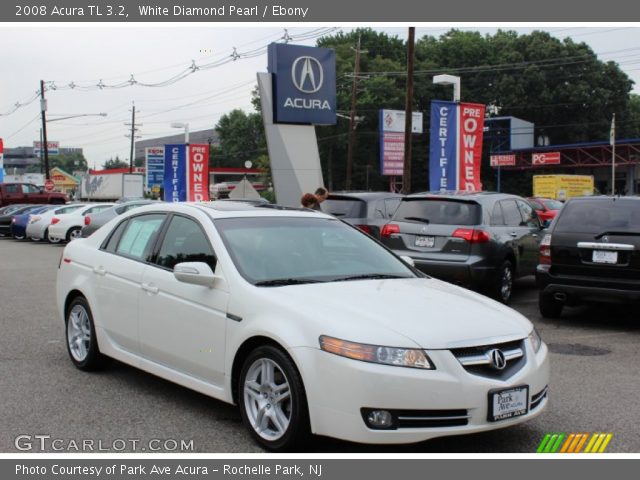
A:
x,y
46,404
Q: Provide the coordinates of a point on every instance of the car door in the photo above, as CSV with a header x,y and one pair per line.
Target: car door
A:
x,y
183,326
12,194
35,194
514,233
118,269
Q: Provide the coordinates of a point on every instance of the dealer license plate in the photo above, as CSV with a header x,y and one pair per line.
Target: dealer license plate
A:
x,y
604,256
425,242
508,403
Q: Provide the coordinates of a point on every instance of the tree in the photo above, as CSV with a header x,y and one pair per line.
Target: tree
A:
x,y
241,138
69,162
113,163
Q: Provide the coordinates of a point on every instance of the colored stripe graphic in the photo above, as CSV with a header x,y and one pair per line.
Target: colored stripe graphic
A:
x,y
574,442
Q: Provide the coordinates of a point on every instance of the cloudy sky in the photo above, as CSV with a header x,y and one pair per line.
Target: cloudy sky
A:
x,y
157,54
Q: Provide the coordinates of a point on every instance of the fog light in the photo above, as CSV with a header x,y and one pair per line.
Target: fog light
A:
x,y
380,419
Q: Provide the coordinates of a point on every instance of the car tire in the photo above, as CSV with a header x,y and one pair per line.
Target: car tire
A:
x,y
49,238
19,237
549,306
272,400
74,233
80,334
503,284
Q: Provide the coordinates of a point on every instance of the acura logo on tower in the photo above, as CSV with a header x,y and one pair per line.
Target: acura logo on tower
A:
x,y
307,74
498,361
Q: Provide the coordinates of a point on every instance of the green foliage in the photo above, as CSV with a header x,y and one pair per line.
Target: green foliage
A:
x,y
69,162
559,85
241,139
113,163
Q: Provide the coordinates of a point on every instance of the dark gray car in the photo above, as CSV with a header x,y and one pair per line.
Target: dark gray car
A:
x,y
94,222
368,211
479,240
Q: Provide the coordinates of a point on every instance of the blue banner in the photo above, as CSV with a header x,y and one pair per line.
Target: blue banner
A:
x,y
175,173
154,168
304,84
443,171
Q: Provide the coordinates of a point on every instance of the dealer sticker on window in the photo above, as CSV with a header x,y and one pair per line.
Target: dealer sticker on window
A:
x,y
508,403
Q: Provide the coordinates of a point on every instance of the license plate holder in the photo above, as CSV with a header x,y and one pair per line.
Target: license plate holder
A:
x,y
422,241
604,256
508,403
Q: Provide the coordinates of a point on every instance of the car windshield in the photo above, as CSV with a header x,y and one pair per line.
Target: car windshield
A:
x,y
552,204
438,212
273,251
600,216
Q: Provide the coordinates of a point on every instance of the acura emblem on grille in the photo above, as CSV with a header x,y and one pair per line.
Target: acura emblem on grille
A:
x,y
498,360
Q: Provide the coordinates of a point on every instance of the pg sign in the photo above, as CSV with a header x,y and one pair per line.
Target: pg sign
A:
x,y
304,84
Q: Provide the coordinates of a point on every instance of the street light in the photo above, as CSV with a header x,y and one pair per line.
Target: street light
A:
x,y
67,117
186,129
449,80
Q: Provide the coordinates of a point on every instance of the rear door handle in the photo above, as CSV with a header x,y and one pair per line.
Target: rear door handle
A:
x,y
100,270
148,287
513,234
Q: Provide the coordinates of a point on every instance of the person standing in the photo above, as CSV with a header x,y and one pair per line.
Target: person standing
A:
x,y
321,195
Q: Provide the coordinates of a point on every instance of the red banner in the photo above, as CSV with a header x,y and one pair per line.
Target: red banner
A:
x,y
470,146
392,153
503,160
198,173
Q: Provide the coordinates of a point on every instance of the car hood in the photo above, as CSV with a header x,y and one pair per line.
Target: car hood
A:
x,y
430,313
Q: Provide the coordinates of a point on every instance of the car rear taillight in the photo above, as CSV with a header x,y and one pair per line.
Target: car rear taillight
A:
x,y
389,229
365,228
545,250
54,220
14,220
471,235
87,220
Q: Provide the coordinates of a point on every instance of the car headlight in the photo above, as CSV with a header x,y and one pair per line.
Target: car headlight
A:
x,y
399,357
535,339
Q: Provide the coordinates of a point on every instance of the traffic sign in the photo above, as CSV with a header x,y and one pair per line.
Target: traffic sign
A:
x,y
48,185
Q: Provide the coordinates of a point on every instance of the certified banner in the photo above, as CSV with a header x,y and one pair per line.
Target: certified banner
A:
x,y
1,161
198,173
154,168
455,146
175,173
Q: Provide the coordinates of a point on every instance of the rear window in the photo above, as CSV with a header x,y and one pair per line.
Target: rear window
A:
x,y
344,208
438,212
553,204
597,217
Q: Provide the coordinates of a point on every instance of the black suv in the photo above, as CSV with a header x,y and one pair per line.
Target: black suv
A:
x,y
480,240
591,254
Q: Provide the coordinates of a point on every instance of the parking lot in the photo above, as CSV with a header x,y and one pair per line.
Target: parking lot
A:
x,y
594,386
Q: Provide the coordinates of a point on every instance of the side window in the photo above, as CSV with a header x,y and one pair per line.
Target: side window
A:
x,y
97,209
138,237
528,214
185,241
28,188
392,205
12,189
496,215
512,217
535,204
112,242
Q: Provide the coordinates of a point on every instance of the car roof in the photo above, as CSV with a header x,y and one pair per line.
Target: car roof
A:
x,y
460,194
604,198
363,195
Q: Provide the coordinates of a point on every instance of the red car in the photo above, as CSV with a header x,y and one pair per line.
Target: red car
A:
x,y
546,208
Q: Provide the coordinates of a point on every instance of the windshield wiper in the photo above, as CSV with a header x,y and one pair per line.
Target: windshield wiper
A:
x,y
628,234
417,219
279,282
369,276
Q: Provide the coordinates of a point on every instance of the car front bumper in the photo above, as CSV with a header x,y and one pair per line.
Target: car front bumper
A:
x,y
36,230
58,231
339,388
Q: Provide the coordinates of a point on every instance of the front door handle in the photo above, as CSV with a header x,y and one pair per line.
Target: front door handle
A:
x,y
100,270
148,287
513,234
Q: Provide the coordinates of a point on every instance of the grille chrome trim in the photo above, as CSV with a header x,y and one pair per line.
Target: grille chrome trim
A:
x,y
484,359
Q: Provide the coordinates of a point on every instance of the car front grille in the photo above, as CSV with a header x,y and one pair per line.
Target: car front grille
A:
x,y
478,360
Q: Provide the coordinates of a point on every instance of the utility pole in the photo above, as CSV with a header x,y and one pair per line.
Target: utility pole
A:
x,y
612,140
408,114
352,117
133,135
43,146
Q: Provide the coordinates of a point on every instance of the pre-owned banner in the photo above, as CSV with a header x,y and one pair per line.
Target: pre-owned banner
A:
x,y
198,173
1,161
175,173
455,146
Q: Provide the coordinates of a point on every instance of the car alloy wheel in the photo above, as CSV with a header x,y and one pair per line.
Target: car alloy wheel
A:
x,y
19,237
82,344
74,234
272,399
504,283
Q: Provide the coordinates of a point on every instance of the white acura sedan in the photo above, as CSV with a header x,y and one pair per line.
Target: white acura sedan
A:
x,y
306,323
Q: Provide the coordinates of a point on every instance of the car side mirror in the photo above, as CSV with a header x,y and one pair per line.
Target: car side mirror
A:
x,y
546,224
196,273
408,260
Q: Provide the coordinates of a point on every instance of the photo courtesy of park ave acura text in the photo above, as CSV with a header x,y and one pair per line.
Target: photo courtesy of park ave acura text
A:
x,y
316,238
